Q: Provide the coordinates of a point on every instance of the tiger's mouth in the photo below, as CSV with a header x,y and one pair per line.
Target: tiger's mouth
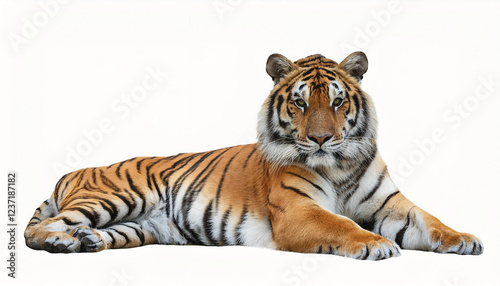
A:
x,y
320,153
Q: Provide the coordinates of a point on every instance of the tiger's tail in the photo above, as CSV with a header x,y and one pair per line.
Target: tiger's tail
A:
x,y
45,211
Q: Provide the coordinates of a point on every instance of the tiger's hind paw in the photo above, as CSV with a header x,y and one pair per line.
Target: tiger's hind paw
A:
x,y
60,242
91,240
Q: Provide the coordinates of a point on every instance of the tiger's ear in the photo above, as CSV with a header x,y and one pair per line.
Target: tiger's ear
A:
x,y
278,66
356,64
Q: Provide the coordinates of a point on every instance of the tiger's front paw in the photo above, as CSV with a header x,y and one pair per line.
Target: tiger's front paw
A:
x,y
450,241
370,247
91,240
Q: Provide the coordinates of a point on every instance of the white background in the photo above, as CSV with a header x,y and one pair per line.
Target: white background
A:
x,y
425,59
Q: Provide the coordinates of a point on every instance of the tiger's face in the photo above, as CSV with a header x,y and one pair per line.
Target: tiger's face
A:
x,y
317,113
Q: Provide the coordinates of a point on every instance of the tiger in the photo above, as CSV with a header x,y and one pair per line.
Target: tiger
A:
x,y
314,182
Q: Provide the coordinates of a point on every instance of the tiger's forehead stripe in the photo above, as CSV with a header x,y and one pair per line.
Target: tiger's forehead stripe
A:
x,y
317,59
335,90
302,90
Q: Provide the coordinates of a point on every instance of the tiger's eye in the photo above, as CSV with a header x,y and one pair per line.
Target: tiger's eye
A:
x,y
300,103
337,101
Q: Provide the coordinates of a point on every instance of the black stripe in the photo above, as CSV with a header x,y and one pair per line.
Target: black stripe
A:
x,y
329,77
362,129
80,177
193,234
148,170
207,224
138,165
308,71
94,179
282,123
139,233
331,73
197,185
239,239
70,222
401,233
168,198
190,240
385,202
180,181
90,216
171,160
245,164
88,187
316,186
137,191
110,207
305,62
357,105
320,249
58,184
345,85
127,240
60,193
109,183
375,188
177,165
117,171
307,78
219,188
134,203
223,227
295,190
270,110
381,223
130,205
158,191
112,238
175,168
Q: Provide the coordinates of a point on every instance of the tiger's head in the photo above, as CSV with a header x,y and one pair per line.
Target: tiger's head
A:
x,y
317,113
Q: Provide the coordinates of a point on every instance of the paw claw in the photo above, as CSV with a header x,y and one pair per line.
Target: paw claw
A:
x,y
374,247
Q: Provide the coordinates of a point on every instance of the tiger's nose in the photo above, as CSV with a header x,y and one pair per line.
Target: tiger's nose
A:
x,y
320,139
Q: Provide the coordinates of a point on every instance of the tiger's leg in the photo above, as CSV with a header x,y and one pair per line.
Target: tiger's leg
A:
x,y
398,219
53,234
72,228
299,224
68,232
120,235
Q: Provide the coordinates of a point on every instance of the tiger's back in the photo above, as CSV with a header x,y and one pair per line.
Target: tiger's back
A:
x,y
211,198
